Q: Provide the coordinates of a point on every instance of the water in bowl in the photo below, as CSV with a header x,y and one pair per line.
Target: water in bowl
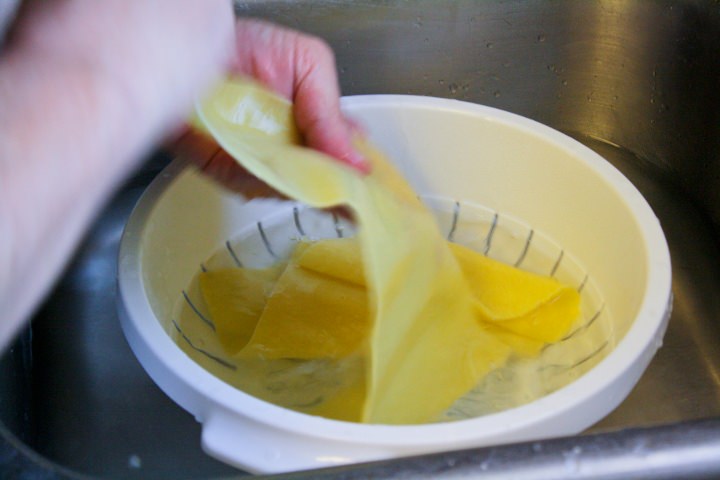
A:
x,y
499,236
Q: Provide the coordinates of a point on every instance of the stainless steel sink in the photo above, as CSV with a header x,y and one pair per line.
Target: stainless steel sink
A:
x,y
636,81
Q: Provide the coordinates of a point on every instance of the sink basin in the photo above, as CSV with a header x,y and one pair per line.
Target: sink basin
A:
x,y
635,81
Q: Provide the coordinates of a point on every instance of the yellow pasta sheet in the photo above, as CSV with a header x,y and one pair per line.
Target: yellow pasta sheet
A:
x,y
420,333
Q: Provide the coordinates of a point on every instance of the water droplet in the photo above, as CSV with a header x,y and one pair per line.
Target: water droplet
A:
x,y
564,82
418,21
426,40
441,81
537,447
425,76
541,38
343,69
489,45
551,67
484,465
615,97
134,461
496,94
453,87
652,100
572,462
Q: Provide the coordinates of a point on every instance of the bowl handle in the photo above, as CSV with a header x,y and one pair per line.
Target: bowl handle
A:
x,y
261,448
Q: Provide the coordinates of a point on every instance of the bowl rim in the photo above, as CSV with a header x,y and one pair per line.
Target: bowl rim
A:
x,y
640,340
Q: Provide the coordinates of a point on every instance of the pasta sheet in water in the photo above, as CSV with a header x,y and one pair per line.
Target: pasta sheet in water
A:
x,y
421,324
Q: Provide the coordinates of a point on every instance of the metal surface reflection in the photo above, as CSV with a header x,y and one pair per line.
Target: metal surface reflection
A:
x,y
634,80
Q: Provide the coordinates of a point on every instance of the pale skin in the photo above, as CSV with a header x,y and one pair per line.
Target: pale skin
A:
x,y
88,88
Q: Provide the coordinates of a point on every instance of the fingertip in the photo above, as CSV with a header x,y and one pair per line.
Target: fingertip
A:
x,y
354,127
358,161
355,158
336,140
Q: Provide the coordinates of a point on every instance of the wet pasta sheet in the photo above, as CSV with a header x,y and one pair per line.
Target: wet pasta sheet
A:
x,y
403,340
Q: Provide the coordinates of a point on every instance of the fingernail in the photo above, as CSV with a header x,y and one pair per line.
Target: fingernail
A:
x,y
358,161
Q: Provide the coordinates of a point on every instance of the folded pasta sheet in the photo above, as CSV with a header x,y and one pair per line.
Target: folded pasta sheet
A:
x,y
413,329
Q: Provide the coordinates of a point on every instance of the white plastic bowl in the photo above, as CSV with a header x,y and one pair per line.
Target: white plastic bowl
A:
x,y
444,147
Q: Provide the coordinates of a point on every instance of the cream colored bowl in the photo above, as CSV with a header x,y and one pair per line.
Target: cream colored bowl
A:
x,y
469,153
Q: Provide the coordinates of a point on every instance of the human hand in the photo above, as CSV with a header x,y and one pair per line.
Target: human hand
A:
x,y
298,67
87,87
152,56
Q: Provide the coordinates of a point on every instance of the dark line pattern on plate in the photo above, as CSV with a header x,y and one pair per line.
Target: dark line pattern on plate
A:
x,y
197,312
525,248
235,258
200,350
265,240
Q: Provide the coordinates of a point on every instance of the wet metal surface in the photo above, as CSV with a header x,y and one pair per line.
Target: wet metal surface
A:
x,y
634,80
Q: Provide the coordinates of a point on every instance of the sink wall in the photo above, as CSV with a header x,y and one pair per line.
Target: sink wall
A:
x,y
642,75
634,80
